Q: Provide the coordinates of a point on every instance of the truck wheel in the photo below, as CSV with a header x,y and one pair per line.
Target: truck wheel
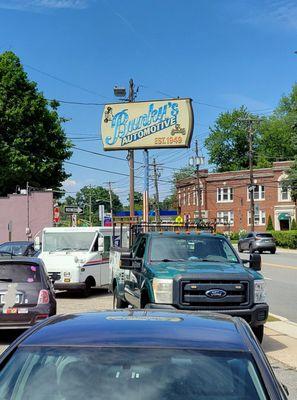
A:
x,y
117,301
259,332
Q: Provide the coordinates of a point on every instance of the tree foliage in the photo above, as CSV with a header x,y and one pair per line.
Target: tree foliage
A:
x,y
33,145
227,143
269,226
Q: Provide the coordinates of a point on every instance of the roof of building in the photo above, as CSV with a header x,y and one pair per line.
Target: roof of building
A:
x,y
142,328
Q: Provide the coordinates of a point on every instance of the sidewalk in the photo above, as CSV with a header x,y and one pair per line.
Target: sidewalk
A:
x,y
280,341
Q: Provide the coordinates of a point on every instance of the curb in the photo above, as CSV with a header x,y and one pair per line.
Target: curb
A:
x,y
283,326
284,250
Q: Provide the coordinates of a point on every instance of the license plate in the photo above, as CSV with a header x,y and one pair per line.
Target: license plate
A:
x,y
17,299
23,310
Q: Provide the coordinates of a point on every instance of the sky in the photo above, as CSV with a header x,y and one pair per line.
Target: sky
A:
x,y
221,53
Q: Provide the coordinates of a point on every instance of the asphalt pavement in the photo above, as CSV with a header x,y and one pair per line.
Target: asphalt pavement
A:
x,y
280,272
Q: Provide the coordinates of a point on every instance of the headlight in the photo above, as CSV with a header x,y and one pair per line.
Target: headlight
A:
x,y
259,291
67,274
163,290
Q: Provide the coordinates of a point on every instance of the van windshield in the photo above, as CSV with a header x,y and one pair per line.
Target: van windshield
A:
x,y
68,241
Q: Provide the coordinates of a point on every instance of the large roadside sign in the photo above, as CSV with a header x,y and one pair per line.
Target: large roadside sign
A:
x,y
147,125
73,210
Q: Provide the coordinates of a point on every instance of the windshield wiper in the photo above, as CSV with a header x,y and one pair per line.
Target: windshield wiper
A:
x,y
169,260
5,280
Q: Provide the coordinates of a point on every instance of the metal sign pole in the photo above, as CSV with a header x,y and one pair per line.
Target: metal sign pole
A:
x,y
146,189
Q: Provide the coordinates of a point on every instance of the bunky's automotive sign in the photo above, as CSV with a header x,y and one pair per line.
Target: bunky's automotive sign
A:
x,y
148,124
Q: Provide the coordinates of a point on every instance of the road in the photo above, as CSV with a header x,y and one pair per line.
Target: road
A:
x,y
100,300
280,272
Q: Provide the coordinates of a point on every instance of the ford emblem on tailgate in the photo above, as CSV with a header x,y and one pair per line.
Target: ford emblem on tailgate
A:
x,y
216,293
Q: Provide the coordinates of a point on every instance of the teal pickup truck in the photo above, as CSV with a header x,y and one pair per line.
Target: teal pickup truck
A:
x,y
189,271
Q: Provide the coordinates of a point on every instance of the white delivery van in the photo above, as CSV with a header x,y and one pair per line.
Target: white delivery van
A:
x,y
78,258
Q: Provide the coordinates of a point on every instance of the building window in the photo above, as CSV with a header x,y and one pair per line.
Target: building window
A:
x,y
224,195
189,198
184,198
194,197
179,199
259,193
225,218
284,194
260,217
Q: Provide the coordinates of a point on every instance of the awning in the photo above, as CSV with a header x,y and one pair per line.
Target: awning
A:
x,y
284,217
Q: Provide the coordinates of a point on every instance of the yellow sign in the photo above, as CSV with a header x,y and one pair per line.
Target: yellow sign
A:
x,y
147,124
179,220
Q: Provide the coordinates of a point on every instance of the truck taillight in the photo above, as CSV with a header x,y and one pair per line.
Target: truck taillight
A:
x,y
43,297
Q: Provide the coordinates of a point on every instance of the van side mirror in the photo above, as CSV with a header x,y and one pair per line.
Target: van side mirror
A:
x,y
37,244
255,262
101,244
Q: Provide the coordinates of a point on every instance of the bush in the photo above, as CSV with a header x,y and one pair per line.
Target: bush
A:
x,y
286,238
270,226
293,225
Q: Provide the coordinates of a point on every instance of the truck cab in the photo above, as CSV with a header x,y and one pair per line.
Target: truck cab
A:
x,y
189,271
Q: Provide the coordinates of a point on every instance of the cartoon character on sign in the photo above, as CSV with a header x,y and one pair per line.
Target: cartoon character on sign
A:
x,y
108,114
178,130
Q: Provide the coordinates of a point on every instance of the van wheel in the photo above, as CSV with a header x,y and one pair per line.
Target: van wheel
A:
x,y
87,290
259,332
118,303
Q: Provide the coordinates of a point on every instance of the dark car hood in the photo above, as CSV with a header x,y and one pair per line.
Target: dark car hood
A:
x,y
172,269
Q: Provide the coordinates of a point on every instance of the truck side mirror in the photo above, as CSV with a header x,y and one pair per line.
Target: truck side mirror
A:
x,y
255,262
126,260
37,244
101,244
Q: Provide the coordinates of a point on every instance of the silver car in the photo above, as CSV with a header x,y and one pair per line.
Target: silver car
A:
x,y
257,241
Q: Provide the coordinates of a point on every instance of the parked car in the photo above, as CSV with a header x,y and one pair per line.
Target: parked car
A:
x,y
26,292
189,271
19,248
257,241
138,354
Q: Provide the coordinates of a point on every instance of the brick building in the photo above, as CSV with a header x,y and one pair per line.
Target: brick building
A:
x,y
225,198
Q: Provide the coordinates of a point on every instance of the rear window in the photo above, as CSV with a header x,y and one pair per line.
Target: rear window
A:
x,y
264,235
19,273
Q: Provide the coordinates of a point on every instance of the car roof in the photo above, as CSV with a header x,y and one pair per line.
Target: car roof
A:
x,y
20,259
185,234
18,242
140,328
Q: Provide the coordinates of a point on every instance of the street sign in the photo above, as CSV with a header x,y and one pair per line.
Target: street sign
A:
x,y
107,219
73,210
101,214
56,214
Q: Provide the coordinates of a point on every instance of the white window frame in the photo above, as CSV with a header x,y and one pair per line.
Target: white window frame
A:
x,y
189,197
281,191
260,191
260,218
221,191
229,220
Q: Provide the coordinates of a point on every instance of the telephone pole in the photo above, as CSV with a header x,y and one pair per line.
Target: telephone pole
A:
x,y
157,199
252,187
131,99
110,200
197,161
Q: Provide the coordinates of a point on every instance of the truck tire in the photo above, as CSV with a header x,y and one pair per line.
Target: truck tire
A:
x,y
259,332
118,303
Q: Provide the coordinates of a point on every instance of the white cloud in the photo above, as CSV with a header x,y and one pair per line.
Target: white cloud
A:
x,y
69,183
272,12
38,5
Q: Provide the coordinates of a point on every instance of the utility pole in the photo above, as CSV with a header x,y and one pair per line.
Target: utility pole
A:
x,y
90,207
197,161
157,199
198,180
252,187
131,99
110,200
28,230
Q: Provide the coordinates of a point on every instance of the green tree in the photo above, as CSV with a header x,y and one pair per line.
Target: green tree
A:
x,y
227,143
294,225
290,183
137,201
93,196
33,145
183,173
269,226
169,203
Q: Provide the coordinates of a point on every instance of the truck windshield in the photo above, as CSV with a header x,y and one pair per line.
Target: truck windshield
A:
x,y
129,373
212,249
63,241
